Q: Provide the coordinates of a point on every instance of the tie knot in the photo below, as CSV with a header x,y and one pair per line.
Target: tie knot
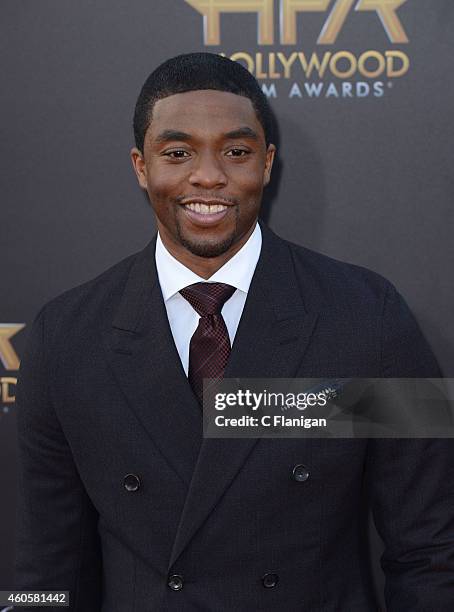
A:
x,y
207,298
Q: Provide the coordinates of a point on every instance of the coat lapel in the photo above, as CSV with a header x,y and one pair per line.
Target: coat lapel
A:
x,y
147,367
272,336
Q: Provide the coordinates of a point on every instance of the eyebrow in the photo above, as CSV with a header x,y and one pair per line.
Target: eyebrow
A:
x,y
168,135
241,132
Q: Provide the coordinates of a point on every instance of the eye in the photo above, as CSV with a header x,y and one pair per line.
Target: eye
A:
x,y
237,153
177,154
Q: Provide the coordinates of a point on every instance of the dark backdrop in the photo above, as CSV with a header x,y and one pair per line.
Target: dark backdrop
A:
x,y
364,171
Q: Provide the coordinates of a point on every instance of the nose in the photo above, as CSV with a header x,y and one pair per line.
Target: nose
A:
x,y
207,172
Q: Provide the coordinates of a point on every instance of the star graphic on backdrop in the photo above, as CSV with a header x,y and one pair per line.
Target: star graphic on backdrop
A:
x,y
8,355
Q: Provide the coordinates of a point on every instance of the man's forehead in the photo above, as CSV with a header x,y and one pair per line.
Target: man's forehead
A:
x,y
205,103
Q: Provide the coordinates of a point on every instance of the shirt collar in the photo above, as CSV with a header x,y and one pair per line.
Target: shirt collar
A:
x,y
237,271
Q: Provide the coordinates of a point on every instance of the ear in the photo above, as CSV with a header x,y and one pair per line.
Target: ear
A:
x,y
270,152
138,163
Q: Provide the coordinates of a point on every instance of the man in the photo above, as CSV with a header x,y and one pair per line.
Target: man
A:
x,y
122,501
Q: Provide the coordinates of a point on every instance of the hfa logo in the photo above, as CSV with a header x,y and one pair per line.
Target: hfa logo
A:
x,y
10,361
288,10
339,64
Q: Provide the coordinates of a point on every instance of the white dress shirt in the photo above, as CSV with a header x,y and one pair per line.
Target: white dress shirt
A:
x,y
173,276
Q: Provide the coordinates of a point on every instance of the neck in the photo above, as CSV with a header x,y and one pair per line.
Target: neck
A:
x,y
204,267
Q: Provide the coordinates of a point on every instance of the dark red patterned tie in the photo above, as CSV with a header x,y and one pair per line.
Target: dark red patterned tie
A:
x,y
209,348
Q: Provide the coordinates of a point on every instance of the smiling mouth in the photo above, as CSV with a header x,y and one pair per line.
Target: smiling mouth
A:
x,y
205,214
205,209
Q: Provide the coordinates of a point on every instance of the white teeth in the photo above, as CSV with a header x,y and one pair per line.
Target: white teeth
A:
x,y
205,209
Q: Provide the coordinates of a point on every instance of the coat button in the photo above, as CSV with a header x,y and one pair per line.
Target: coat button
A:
x,y
175,582
131,482
270,580
300,473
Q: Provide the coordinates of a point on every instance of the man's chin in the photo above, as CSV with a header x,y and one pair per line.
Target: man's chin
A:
x,y
207,248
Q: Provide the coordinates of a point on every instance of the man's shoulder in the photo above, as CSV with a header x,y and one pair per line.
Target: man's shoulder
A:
x,y
337,280
92,299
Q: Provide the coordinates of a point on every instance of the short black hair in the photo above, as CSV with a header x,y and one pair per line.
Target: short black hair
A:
x,y
195,71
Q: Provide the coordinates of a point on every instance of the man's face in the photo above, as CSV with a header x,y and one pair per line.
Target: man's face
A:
x,y
204,166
